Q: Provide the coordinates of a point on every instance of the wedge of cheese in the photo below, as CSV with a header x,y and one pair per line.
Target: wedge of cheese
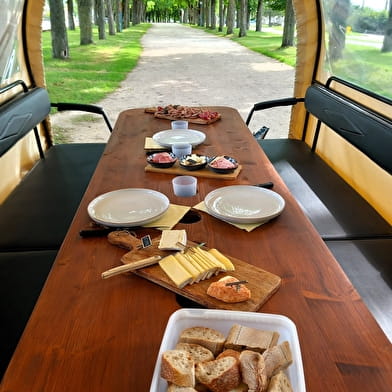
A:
x,y
175,271
170,239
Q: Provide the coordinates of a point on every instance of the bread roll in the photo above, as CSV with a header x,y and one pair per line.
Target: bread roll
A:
x,y
228,294
178,368
220,375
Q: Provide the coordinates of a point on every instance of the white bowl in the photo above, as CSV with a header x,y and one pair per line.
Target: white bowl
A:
x,y
223,320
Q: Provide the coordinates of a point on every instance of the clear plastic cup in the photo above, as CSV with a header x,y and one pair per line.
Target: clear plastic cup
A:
x,y
179,124
185,186
181,149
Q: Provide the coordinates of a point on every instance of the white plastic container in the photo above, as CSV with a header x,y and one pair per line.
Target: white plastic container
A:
x,y
223,320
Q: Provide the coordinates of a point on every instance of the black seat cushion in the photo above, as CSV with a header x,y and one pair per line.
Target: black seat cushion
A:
x,y
368,264
37,214
335,209
22,276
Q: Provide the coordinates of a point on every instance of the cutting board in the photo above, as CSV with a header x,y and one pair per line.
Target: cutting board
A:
x,y
205,172
261,283
190,120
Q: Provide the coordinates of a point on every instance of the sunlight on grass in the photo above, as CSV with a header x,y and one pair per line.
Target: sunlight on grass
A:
x,y
92,71
267,43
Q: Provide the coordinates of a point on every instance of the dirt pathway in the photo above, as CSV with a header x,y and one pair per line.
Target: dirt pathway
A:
x,y
182,65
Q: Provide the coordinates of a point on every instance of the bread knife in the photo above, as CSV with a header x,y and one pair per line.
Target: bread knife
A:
x,y
130,267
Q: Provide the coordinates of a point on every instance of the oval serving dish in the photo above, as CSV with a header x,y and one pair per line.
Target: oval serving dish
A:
x,y
222,164
162,160
193,162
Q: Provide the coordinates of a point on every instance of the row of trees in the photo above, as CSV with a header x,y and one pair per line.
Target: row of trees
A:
x,y
220,14
119,14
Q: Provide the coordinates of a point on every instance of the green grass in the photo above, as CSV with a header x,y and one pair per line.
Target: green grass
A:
x,y
92,71
367,67
267,43
363,65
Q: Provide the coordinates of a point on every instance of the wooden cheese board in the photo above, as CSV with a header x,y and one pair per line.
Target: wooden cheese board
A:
x,y
205,172
192,120
261,283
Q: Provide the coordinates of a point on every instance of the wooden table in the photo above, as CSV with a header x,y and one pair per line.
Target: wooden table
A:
x,y
89,334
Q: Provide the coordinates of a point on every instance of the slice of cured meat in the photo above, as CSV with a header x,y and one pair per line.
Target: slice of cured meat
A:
x,y
195,115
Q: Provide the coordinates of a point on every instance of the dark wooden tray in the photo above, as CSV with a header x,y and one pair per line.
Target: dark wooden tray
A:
x,y
261,283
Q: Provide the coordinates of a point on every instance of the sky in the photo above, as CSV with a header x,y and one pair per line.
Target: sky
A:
x,y
378,5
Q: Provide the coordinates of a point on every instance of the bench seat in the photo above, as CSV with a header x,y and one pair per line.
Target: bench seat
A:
x,y
334,207
37,214
22,276
368,265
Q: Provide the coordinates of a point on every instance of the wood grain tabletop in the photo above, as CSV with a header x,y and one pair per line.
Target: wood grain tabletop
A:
x,y
90,334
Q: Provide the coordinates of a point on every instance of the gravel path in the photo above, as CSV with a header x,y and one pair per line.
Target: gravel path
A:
x,y
182,65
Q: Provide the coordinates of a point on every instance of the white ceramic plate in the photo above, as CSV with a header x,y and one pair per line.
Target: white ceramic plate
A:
x,y
169,137
128,207
223,320
244,204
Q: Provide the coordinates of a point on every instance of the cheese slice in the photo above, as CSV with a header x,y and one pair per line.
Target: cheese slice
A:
x,y
211,258
197,264
175,271
196,274
170,238
223,259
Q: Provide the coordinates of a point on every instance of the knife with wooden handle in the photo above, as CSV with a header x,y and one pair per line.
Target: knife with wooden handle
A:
x,y
130,267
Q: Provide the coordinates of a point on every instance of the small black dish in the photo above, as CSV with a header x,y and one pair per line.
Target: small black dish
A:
x,y
153,159
221,170
193,162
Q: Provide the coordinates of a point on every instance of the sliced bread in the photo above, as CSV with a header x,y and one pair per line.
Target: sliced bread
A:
x,y
229,353
219,375
241,338
177,388
279,383
178,368
196,351
253,371
206,337
277,358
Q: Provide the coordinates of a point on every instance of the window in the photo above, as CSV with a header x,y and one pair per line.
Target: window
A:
x,y
9,21
355,47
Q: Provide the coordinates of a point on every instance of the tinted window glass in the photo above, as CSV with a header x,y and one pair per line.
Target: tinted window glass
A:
x,y
356,45
11,12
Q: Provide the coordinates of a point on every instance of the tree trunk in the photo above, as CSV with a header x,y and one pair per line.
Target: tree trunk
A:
x,y
289,25
337,37
119,15
243,17
213,14
259,15
109,10
60,49
221,15
136,6
86,30
230,17
387,43
207,10
126,14
100,11
70,11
